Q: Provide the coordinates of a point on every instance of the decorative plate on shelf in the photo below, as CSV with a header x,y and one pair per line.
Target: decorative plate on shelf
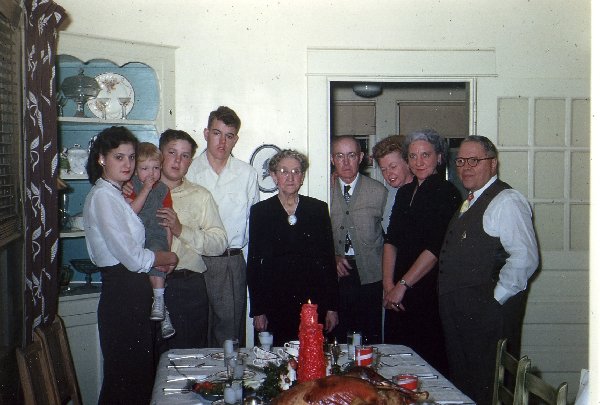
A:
x,y
260,161
115,90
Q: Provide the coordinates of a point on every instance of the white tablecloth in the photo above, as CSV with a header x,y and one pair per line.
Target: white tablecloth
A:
x,y
395,360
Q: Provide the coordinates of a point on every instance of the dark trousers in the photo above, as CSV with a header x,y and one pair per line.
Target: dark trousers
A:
x,y
473,322
187,303
360,308
126,337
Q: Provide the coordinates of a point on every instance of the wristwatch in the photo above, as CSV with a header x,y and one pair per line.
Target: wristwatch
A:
x,y
404,283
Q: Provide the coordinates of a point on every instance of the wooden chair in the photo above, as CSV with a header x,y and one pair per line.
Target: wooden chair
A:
x,y
532,385
504,391
37,378
56,346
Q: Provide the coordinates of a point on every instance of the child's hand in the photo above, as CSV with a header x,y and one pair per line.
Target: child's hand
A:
x,y
149,182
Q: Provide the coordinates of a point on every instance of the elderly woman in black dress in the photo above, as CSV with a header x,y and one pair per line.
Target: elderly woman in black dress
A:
x,y
290,254
420,216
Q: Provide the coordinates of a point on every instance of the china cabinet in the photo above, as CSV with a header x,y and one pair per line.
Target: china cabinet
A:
x,y
137,90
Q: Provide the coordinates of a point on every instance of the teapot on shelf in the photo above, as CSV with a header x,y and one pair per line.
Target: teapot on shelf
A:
x,y
77,157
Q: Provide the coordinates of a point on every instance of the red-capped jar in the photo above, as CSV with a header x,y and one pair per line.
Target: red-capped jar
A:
x,y
407,381
363,355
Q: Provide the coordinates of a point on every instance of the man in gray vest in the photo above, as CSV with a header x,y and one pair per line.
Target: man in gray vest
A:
x,y
357,205
488,255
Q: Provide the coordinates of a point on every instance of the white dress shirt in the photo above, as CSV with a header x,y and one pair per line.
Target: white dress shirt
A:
x,y
235,190
113,232
508,217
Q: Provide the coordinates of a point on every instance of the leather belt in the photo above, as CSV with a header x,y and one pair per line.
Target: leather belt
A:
x,y
183,273
231,252
349,257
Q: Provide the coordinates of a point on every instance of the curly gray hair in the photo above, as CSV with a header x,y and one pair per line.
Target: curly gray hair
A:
x,y
429,135
288,153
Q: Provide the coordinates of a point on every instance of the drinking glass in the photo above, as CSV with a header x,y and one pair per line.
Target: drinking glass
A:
x,y
102,104
354,338
231,347
124,101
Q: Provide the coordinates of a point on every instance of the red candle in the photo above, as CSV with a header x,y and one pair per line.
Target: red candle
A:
x,y
311,359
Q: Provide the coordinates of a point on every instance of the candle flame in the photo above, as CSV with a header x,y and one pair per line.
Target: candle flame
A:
x,y
309,301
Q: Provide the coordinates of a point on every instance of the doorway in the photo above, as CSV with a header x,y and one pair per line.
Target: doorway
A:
x,y
400,108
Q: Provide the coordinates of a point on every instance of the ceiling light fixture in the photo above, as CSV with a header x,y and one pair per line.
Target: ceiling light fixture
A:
x,y
367,90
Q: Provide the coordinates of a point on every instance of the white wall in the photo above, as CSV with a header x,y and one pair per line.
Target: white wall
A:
x,y
251,55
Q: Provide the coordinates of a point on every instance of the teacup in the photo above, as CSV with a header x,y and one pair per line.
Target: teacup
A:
x,y
294,344
266,340
287,352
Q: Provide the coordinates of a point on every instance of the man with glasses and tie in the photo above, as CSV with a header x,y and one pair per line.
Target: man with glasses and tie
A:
x,y
489,253
357,206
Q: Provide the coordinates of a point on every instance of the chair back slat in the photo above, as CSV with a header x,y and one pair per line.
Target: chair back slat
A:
x,y
55,341
36,376
506,365
540,389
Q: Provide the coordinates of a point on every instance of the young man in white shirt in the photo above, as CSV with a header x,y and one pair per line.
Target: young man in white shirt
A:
x,y
234,186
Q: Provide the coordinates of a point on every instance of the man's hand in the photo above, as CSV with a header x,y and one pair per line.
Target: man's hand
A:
x,y
342,266
169,219
331,321
260,323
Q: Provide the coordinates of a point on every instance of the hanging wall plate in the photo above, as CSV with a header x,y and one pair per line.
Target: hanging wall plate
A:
x,y
260,161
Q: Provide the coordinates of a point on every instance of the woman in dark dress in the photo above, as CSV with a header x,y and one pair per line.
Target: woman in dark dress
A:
x,y
420,216
290,254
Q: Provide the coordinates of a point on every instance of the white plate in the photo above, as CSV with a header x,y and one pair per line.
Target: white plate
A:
x,y
112,86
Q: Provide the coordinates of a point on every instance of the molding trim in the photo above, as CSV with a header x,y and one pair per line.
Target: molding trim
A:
x,y
402,62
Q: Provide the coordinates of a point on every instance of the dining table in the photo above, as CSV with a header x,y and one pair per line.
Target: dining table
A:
x,y
178,366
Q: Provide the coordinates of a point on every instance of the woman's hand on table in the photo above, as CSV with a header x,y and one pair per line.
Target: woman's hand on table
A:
x,y
392,299
331,321
260,323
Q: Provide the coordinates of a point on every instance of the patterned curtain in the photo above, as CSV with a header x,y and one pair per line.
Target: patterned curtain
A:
x,y
42,19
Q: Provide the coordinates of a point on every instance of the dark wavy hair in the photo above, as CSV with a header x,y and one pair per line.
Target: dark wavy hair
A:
x,y
176,135
107,140
227,115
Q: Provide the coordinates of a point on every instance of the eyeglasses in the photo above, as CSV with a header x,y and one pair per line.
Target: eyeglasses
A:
x,y
342,156
286,173
460,162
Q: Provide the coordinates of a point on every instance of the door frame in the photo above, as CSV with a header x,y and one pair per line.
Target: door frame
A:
x,y
380,65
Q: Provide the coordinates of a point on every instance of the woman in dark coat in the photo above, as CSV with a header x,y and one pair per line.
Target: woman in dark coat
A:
x,y
290,255
420,216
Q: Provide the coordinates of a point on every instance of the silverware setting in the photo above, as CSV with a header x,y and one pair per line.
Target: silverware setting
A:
x,y
188,356
396,354
199,365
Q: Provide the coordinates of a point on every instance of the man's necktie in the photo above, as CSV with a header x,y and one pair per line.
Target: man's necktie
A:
x,y
467,203
347,193
347,198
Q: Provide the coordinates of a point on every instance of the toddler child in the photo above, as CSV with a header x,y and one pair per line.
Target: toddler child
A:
x,y
149,194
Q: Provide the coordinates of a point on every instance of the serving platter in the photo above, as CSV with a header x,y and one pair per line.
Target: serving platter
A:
x,y
112,87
